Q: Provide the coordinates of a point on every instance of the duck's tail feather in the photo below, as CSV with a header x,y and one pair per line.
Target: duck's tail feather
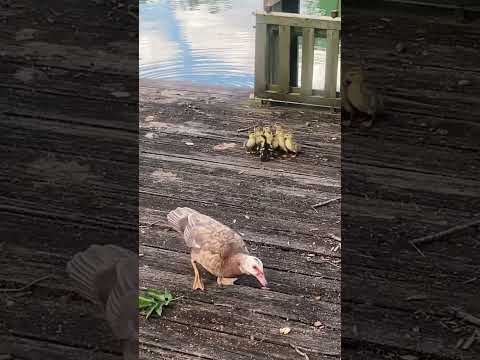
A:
x,y
178,218
94,271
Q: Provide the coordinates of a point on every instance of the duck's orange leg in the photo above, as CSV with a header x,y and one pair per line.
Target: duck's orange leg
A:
x,y
197,282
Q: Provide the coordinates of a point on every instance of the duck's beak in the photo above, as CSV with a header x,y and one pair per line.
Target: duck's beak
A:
x,y
261,279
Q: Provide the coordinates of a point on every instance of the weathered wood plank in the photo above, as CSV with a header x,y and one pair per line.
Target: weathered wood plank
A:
x,y
410,331
303,310
244,323
455,194
46,106
313,187
437,38
444,162
285,234
24,348
96,180
432,294
210,345
53,231
295,98
152,350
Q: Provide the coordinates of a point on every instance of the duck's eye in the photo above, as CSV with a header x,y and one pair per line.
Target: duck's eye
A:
x,y
255,267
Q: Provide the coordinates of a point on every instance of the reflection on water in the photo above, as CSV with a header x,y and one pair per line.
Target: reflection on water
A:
x,y
207,41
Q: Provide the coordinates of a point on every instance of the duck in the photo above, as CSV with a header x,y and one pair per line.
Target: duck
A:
x,y
259,136
280,140
216,247
251,142
267,132
360,97
290,143
107,275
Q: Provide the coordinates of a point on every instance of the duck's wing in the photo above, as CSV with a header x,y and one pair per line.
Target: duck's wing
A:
x,y
203,232
372,98
108,275
121,309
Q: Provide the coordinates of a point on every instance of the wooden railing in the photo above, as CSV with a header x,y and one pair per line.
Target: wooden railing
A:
x,y
276,61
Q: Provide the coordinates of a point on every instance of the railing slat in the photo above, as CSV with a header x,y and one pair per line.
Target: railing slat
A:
x,y
260,58
284,60
307,60
331,65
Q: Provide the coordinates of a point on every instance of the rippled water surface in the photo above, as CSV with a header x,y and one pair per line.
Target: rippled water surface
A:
x,y
206,41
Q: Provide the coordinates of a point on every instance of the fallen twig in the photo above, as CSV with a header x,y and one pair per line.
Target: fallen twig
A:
x,y
28,285
441,234
467,317
323,203
244,129
471,339
334,237
300,352
418,249
224,305
417,297
459,343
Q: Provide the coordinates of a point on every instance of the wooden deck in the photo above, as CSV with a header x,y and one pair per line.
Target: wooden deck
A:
x,y
68,159
413,174
270,203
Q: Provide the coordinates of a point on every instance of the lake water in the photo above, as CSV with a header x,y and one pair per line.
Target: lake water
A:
x,y
209,42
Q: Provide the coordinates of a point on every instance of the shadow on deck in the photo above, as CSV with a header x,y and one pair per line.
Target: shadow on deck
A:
x,y
268,202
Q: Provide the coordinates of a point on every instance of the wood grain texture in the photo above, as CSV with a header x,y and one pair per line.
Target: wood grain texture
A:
x,y
414,173
69,165
268,203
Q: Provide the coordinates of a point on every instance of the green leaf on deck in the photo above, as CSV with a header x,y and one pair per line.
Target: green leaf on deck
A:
x,y
152,301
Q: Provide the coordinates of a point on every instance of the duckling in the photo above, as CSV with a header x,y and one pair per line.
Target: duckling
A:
x,y
347,109
258,136
275,142
290,143
280,134
362,97
251,142
267,131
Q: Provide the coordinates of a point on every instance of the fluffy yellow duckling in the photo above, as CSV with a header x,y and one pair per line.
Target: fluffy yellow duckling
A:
x,y
258,136
267,131
360,97
275,142
290,144
251,142
280,135
347,109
